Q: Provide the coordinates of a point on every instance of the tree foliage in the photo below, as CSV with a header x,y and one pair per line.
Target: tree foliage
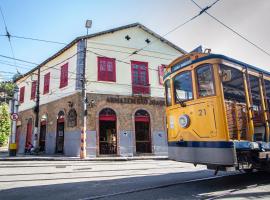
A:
x,y
7,88
5,123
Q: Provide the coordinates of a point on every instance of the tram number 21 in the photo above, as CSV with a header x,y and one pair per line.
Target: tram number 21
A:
x,y
202,112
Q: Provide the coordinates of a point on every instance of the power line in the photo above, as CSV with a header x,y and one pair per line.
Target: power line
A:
x,y
231,29
174,29
34,39
8,35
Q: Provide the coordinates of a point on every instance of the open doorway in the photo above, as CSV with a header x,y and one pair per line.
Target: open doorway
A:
x,y
142,132
107,132
29,130
60,133
42,136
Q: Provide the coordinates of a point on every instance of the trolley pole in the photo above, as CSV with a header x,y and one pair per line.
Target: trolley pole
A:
x,y
37,112
84,101
14,116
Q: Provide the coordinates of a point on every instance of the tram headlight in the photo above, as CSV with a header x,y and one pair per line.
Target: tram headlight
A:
x,y
184,121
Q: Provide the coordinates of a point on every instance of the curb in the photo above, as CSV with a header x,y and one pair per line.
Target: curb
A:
x,y
78,159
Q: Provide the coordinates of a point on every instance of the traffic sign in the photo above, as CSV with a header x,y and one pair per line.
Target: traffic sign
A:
x,y
14,116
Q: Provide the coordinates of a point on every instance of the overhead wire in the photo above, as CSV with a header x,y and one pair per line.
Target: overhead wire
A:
x,y
231,29
174,29
34,39
8,35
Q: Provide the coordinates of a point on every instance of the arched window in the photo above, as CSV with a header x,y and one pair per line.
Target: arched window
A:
x,y
61,116
107,114
142,116
72,118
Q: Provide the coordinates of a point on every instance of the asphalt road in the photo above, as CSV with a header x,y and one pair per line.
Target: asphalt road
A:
x,y
141,179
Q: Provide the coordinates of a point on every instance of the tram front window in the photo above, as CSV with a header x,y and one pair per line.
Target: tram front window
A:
x,y
205,80
183,87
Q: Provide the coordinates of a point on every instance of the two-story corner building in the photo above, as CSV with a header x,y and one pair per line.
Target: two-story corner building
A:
x,y
126,108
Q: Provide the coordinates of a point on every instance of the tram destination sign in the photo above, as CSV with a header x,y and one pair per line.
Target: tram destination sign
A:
x,y
135,100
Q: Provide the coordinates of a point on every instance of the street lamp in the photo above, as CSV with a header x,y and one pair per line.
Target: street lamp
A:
x,y
88,24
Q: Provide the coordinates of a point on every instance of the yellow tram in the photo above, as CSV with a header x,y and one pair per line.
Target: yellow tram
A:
x,y
218,112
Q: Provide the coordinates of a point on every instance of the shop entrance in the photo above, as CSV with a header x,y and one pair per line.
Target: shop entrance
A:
x,y
28,139
107,132
142,132
60,132
42,136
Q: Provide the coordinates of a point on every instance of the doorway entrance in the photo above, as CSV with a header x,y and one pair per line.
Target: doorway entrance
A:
x,y
28,139
142,132
60,132
42,136
107,132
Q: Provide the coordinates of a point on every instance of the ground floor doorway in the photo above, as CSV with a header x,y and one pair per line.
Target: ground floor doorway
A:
x,y
42,136
107,132
28,139
60,133
142,132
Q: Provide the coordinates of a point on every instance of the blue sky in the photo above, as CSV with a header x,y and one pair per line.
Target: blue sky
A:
x,y
64,20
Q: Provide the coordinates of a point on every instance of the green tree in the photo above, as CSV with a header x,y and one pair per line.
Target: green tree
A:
x,y
7,89
5,124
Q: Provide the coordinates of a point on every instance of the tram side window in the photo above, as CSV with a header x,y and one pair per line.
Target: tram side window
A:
x,y
205,81
168,93
183,87
267,90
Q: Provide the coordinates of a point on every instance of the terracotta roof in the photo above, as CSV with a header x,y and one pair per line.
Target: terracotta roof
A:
x,y
103,33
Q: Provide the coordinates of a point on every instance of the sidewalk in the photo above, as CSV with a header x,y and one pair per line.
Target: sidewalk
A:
x,y
4,156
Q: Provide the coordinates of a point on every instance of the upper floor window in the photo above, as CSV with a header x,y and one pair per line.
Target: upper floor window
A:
x,y
205,80
140,80
46,83
33,90
64,76
106,69
161,69
22,90
183,87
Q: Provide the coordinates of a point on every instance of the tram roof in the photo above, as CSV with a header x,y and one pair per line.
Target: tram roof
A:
x,y
220,56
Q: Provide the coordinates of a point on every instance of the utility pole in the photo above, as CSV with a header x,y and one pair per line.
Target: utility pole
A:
x,y
37,111
14,116
88,25
84,101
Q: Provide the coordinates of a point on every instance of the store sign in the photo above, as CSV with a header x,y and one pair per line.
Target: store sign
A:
x,y
135,100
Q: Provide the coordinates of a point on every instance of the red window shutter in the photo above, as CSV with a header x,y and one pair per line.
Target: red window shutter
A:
x,y
22,90
106,69
64,76
161,73
46,83
140,80
33,90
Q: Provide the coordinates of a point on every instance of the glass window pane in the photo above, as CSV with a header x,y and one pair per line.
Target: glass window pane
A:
x,y
183,87
205,81
168,93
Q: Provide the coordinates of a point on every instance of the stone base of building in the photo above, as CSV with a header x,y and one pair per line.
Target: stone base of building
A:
x,y
122,126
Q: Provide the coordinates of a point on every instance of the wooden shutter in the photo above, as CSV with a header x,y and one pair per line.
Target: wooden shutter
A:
x,y
22,90
106,69
140,80
161,73
46,83
64,76
33,90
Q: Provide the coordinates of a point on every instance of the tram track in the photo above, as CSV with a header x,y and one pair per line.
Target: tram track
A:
x,y
156,187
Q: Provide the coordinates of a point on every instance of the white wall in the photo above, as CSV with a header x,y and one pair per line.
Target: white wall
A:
x,y
54,67
115,45
112,45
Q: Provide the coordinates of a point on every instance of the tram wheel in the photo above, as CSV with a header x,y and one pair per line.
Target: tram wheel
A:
x,y
248,170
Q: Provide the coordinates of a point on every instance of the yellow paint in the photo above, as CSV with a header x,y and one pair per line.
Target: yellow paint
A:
x,y
208,121
265,115
12,146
